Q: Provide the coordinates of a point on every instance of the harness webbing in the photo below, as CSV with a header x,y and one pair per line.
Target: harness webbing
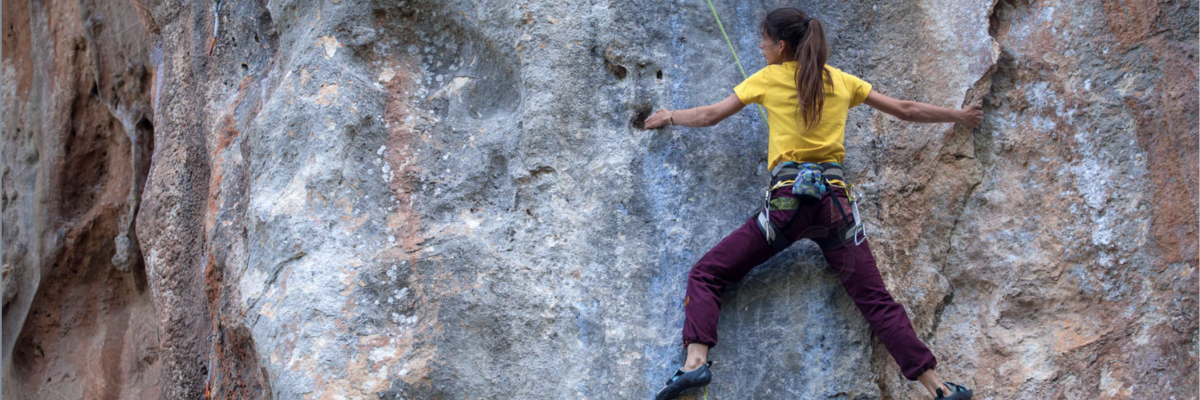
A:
x,y
851,229
735,57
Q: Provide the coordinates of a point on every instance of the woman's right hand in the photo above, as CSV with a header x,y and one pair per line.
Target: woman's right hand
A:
x,y
971,116
659,119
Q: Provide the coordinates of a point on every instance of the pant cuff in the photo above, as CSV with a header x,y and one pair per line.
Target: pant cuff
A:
x,y
912,375
687,342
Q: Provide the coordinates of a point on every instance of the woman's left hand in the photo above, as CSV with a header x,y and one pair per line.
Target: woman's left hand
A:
x,y
659,119
971,116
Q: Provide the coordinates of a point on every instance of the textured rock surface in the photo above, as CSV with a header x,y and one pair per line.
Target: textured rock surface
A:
x,y
453,199
78,315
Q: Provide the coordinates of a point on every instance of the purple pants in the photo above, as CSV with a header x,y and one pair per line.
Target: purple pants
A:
x,y
746,248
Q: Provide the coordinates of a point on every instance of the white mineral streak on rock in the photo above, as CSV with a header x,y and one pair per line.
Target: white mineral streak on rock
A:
x,y
329,44
454,87
386,75
252,284
291,200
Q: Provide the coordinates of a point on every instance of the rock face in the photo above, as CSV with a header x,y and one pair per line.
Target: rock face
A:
x,y
453,199
78,136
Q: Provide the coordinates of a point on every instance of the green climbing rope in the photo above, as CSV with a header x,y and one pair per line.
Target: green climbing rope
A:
x,y
731,50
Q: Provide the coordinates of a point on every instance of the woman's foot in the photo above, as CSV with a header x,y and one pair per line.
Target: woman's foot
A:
x,y
934,384
697,355
683,381
956,392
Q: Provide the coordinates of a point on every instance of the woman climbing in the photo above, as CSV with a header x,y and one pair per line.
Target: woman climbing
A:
x,y
807,103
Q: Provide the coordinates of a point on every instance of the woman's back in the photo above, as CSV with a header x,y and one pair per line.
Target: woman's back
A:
x,y
791,138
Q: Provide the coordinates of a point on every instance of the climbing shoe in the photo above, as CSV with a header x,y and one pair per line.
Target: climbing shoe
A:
x,y
683,381
957,392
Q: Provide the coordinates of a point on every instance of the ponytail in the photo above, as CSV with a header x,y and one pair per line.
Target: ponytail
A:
x,y
811,73
806,36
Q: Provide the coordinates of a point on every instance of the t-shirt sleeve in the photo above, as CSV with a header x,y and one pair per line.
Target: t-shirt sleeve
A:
x,y
858,89
753,89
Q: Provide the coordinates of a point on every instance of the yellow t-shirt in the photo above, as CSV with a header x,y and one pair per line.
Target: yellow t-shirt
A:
x,y
775,88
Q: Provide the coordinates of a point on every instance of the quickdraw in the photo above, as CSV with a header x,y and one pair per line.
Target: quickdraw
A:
x,y
212,358
858,231
216,26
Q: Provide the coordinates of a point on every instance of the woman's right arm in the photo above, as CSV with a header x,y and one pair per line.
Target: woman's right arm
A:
x,y
971,116
696,117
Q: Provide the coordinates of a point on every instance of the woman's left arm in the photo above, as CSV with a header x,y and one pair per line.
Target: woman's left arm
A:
x,y
971,116
696,117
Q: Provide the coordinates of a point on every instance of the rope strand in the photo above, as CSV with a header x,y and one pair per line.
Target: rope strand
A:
x,y
735,57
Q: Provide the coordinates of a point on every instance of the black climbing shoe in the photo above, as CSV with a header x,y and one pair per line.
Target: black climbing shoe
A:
x,y
684,381
958,392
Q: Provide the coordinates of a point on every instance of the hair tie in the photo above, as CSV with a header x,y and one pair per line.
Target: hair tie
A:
x,y
808,19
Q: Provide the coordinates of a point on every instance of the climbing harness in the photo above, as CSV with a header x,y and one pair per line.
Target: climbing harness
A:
x,y
809,182
761,111
216,26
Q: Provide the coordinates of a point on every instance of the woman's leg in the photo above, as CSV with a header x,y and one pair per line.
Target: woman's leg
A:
x,y
727,264
855,266
860,276
722,266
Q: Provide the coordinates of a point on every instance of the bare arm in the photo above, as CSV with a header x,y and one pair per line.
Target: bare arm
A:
x,y
971,116
699,116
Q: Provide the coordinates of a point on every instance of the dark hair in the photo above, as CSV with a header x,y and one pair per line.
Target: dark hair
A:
x,y
806,36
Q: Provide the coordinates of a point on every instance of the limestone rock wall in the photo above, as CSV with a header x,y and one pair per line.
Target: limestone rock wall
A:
x,y
453,199
78,138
